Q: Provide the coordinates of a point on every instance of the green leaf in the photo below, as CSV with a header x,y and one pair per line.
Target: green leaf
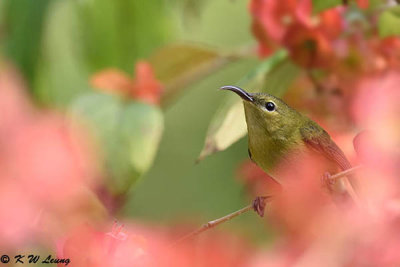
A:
x,y
228,126
389,22
140,130
321,5
21,23
119,32
191,9
278,80
179,65
82,37
62,73
128,133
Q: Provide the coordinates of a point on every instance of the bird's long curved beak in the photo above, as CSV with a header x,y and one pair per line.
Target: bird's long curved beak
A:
x,y
242,93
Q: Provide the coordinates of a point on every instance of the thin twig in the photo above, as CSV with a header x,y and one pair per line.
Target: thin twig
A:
x,y
344,173
213,223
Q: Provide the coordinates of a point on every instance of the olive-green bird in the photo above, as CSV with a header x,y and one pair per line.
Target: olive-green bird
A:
x,y
277,133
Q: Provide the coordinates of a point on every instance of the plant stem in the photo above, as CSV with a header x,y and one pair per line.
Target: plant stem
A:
x,y
214,223
345,173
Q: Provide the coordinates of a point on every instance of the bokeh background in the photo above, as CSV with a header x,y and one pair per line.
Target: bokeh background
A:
x,y
60,44
106,107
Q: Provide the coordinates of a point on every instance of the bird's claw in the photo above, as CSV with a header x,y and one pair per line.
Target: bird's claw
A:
x,y
259,204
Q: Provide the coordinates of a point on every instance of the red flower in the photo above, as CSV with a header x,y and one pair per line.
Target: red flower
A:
x,y
275,16
291,24
363,3
112,80
308,47
272,18
144,86
330,23
389,48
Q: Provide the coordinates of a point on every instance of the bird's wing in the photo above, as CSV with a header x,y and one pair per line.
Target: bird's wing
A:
x,y
319,140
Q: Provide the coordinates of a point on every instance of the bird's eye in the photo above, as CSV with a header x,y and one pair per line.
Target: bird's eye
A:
x,y
270,106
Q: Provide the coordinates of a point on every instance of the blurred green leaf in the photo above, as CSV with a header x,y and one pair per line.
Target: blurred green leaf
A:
x,y
140,130
173,60
21,24
321,5
129,133
117,33
179,65
228,126
389,22
81,37
191,9
278,80
62,73
377,4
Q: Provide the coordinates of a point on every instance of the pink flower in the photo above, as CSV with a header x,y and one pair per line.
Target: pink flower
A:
x,y
46,170
133,245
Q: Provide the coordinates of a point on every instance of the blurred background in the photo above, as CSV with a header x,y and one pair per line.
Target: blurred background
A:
x,y
58,45
110,110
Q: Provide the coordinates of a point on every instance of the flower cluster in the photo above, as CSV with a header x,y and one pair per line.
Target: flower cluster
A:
x,y
332,39
291,24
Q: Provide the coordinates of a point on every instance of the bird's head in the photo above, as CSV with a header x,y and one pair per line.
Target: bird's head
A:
x,y
266,112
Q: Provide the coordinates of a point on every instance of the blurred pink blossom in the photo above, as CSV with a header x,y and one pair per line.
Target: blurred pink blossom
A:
x,y
47,169
135,245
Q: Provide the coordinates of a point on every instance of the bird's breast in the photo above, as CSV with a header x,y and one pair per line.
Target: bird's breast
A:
x,y
269,153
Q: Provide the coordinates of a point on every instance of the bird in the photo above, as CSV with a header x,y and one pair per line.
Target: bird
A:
x,y
278,135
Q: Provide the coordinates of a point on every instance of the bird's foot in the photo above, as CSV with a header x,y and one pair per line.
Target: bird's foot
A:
x,y
259,204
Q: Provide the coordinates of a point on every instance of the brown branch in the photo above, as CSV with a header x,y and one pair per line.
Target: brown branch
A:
x,y
214,223
344,173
